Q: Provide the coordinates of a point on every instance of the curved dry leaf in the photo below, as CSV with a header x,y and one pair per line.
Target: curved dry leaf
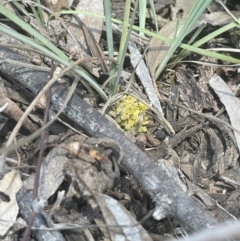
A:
x,y
158,48
181,9
9,186
218,18
57,5
51,175
230,102
94,24
115,214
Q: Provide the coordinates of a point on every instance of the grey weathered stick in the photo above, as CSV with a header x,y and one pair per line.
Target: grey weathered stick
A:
x,y
165,192
24,200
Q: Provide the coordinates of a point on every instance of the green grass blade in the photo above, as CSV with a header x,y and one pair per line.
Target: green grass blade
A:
x,y
175,33
154,14
190,48
212,36
125,29
197,10
35,14
216,33
21,8
196,33
108,22
142,14
53,56
31,31
40,12
184,52
124,42
122,48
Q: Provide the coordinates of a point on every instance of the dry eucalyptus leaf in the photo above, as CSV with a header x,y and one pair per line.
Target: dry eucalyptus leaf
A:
x,y
230,102
51,175
18,225
9,186
57,5
158,48
144,75
181,9
218,18
115,214
94,24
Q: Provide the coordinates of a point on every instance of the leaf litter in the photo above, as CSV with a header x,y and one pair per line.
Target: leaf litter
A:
x,y
107,190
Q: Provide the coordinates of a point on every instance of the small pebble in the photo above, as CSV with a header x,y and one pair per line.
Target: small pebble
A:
x,y
160,134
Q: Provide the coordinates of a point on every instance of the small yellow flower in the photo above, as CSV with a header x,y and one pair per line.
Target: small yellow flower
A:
x,y
113,113
143,129
124,116
126,113
135,114
129,125
119,109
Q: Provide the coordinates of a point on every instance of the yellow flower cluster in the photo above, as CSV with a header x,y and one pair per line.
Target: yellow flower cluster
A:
x,y
127,114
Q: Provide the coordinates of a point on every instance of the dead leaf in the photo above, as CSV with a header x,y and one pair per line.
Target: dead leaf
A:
x,y
94,24
9,186
94,47
217,18
57,5
181,9
158,48
51,175
230,102
116,215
